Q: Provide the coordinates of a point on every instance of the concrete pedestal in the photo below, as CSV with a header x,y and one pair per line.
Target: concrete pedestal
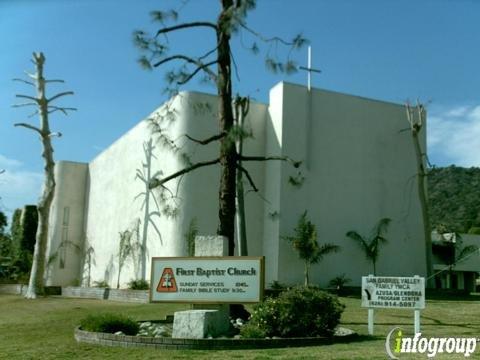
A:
x,y
199,324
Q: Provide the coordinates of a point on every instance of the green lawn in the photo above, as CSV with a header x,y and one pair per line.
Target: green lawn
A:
x,y
43,329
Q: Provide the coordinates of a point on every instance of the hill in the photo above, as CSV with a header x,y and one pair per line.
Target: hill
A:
x,y
454,199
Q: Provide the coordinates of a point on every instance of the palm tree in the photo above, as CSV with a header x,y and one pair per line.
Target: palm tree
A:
x,y
305,242
371,245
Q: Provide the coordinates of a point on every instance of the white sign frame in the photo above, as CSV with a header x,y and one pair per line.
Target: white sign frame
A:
x,y
207,279
390,289
388,292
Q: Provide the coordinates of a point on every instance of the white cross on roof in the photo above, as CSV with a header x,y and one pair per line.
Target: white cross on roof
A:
x,y
309,68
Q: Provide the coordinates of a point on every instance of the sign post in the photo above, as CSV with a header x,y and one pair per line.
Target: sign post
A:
x,y
393,293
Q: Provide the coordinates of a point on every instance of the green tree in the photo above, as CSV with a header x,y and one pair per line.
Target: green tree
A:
x,y
305,242
371,245
230,21
23,231
6,246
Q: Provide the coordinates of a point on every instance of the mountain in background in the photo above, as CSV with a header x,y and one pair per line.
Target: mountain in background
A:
x,y
454,198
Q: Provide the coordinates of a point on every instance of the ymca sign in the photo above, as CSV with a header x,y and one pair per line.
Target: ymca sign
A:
x,y
207,279
393,292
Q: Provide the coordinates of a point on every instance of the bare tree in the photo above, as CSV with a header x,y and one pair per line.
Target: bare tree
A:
x,y
44,108
144,174
416,116
231,20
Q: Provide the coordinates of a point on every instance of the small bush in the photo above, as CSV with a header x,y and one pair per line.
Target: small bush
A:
x,y
252,331
101,284
277,285
297,312
109,323
339,282
138,285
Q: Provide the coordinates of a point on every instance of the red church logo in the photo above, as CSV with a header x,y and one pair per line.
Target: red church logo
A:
x,y
167,281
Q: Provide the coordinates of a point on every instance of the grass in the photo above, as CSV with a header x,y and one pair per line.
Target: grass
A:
x,y
43,329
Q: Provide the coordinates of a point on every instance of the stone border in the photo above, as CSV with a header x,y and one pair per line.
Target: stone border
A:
x,y
167,343
13,289
127,295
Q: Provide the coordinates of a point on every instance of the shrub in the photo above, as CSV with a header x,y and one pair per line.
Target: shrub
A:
x,y
277,285
109,323
101,284
297,312
339,282
138,285
252,331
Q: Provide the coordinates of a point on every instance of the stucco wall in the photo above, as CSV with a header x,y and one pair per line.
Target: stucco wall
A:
x,y
112,203
66,232
358,167
361,169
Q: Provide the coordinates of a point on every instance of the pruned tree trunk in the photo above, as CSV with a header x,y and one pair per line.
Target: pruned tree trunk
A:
x,y
36,282
42,103
228,154
416,126
242,106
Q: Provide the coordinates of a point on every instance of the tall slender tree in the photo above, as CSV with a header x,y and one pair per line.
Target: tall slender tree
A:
x,y
44,107
371,245
305,242
231,20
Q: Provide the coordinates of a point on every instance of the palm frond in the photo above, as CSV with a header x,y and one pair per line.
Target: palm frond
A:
x,y
359,239
467,250
381,227
323,250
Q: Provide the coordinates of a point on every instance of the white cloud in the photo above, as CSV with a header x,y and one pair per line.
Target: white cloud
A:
x,y
18,186
8,163
454,136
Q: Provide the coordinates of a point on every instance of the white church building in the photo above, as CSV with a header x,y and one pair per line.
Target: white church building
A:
x,y
358,166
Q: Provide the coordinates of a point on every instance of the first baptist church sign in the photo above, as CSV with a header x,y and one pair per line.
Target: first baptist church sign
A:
x,y
207,279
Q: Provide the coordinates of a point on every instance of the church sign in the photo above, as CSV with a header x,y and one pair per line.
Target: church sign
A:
x,y
207,279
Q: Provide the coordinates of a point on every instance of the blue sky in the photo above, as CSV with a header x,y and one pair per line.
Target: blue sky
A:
x,y
388,50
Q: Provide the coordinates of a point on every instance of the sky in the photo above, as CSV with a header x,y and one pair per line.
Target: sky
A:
x,y
383,49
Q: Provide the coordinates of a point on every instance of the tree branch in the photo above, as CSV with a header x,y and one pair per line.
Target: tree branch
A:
x,y
32,76
62,109
55,81
31,127
295,164
263,38
188,59
249,178
189,77
187,25
60,95
155,182
24,81
33,114
24,104
206,141
27,97
208,53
